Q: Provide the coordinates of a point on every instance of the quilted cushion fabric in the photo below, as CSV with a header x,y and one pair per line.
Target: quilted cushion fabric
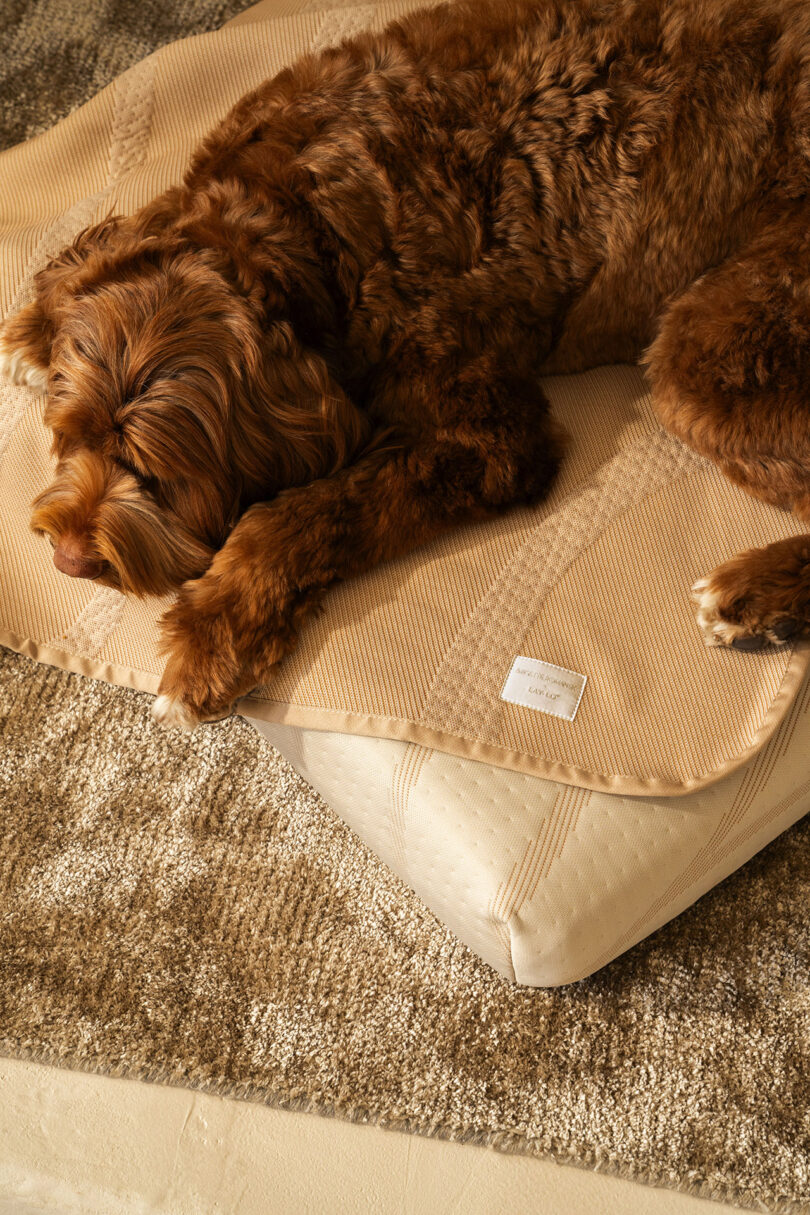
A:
x,y
545,881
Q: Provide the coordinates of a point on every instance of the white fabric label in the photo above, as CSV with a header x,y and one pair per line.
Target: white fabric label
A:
x,y
541,685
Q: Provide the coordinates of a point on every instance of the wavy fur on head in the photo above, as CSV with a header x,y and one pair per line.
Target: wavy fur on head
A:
x,y
322,349
173,404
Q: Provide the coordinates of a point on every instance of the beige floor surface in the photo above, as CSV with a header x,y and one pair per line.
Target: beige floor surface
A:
x,y
76,1144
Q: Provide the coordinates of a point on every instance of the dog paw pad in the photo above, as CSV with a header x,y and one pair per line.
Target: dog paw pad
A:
x,y
749,644
171,711
785,629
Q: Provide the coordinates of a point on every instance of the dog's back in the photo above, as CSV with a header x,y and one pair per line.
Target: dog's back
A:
x,y
580,159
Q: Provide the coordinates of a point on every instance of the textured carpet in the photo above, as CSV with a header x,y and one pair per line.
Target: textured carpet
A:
x,y
55,54
187,910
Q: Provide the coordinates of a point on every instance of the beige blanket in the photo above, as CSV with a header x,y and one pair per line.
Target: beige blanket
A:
x,y
594,582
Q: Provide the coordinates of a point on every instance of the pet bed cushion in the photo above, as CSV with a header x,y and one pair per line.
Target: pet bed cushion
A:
x,y
545,881
594,582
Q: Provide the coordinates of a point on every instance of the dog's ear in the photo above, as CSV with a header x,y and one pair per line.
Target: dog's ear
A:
x,y
69,270
28,335
31,331
295,417
33,328
158,217
178,431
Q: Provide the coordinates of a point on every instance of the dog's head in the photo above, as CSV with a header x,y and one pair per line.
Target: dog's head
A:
x,y
174,403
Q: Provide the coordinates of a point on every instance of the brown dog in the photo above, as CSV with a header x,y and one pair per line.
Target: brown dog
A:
x,y
322,349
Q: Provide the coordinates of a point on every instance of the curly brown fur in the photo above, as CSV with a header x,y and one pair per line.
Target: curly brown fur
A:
x,y
322,349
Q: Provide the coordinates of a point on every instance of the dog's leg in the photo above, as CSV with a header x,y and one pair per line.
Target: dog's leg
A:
x,y
228,628
730,370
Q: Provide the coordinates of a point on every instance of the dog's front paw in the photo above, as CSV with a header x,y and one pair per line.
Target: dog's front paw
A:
x,y
761,597
205,672
183,701
174,713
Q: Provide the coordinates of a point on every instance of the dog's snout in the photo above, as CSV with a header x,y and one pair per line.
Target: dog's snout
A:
x,y
69,558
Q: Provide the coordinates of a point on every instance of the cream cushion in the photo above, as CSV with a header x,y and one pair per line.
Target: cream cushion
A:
x,y
548,882
414,656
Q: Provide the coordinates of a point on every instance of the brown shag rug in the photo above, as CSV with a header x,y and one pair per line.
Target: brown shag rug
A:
x,y
185,909
56,54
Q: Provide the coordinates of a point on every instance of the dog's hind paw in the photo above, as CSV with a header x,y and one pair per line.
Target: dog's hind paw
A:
x,y
171,711
20,370
759,598
716,629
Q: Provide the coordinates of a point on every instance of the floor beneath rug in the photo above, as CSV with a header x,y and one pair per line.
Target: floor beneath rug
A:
x,y
79,1144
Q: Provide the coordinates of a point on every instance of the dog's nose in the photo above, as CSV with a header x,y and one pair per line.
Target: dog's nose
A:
x,y
69,558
